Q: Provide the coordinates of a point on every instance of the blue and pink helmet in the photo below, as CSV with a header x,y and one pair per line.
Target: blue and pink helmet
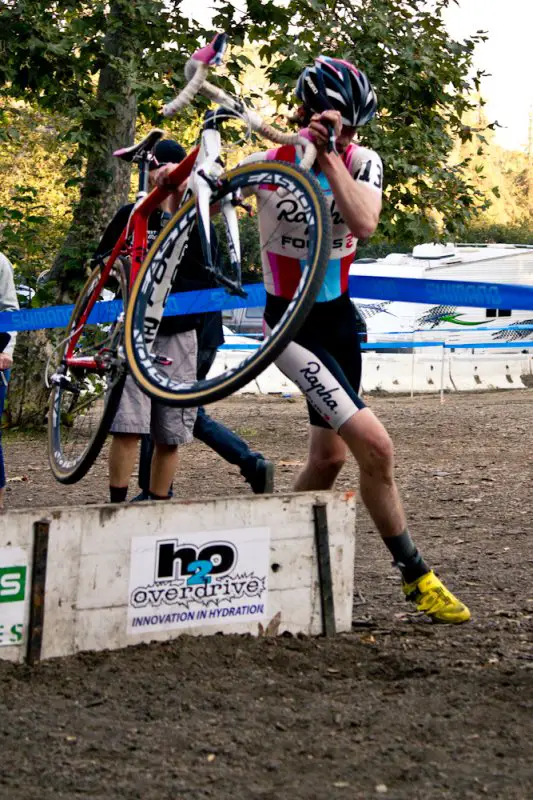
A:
x,y
332,83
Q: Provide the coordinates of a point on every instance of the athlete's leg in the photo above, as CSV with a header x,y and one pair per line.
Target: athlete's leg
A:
x,y
326,457
145,463
172,427
332,395
132,419
373,450
255,469
122,457
164,466
337,412
372,447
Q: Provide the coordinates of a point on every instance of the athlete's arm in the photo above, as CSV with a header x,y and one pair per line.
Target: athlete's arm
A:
x,y
359,200
161,179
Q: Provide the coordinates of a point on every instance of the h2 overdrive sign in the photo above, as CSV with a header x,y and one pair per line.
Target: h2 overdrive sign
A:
x,y
13,572
198,579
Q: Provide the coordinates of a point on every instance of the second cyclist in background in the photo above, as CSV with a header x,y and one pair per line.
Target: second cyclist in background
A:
x,y
190,340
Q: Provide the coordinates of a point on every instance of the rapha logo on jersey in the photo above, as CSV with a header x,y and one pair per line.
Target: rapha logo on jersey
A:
x,y
289,210
311,373
198,579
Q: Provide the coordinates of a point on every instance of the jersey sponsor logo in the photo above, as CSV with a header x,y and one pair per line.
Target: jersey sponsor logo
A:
x,y
300,243
311,373
290,211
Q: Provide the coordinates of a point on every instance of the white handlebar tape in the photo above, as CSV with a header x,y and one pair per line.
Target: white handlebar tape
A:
x,y
196,73
309,155
187,94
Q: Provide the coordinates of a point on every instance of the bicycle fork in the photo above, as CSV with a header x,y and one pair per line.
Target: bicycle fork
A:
x,y
205,180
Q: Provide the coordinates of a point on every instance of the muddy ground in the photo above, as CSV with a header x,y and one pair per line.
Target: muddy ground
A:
x,y
399,708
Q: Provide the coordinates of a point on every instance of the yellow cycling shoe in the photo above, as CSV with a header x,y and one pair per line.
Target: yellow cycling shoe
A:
x,y
434,599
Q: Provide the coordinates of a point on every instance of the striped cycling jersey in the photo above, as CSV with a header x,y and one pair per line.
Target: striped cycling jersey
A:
x,y
283,228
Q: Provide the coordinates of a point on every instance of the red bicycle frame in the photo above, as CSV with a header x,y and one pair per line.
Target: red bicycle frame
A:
x,y
137,251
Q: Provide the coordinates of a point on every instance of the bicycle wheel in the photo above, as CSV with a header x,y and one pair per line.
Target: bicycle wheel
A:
x,y
83,401
287,184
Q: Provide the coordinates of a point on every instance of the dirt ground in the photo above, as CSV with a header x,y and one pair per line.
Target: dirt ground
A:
x,y
398,708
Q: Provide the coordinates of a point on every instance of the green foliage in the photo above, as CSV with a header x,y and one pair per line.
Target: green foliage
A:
x,y
35,204
57,112
479,233
503,175
54,51
22,230
493,233
421,78
95,64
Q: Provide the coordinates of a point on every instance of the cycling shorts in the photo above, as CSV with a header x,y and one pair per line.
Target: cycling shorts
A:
x,y
324,359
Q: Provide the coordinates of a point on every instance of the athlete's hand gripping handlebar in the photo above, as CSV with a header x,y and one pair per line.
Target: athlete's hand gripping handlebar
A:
x,y
196,70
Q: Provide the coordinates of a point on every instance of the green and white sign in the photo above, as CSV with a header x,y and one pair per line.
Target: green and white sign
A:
x,y
13,582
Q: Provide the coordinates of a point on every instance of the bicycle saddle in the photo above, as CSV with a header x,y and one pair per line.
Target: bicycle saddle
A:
x,y
137,150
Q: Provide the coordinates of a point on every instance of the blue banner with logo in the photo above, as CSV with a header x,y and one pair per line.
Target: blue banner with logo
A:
x,y
407,290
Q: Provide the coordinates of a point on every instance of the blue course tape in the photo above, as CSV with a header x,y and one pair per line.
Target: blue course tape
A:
x,y
239,346
398,345
403,345
408,290
439,292
488,345
31,319
454,329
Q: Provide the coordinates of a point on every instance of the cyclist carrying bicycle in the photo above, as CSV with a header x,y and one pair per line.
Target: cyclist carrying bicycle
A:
x,y
324,359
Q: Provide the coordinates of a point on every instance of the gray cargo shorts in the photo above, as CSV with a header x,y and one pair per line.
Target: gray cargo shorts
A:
x,y
137,413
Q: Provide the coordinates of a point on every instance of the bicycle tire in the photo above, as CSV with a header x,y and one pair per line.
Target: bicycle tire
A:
x,y
71,469
158,265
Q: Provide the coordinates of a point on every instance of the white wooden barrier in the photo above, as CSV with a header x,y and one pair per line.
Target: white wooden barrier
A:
x,y
425,370
123,574
488,371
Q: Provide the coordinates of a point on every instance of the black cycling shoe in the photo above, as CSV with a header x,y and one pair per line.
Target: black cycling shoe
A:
x,y
262,480
144,496
140,497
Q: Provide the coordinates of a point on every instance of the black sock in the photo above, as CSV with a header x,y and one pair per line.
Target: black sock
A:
x,y
154,496
118,494
406,556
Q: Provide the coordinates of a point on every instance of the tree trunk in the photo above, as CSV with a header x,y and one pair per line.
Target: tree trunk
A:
x,y
107,179
106,187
